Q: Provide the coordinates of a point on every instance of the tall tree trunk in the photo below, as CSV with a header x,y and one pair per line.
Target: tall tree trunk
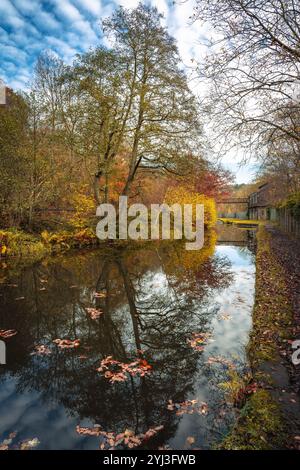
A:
x,y
97,178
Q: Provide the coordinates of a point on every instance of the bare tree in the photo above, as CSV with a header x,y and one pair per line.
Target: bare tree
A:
x,y
253,67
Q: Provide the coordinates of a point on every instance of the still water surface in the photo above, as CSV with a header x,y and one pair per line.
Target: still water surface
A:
x,y
153,301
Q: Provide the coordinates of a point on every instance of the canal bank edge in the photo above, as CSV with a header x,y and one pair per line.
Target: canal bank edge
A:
x,y
268,419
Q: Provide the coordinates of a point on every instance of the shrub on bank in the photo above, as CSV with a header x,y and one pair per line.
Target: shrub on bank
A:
x,y
293,203
17,243
181,195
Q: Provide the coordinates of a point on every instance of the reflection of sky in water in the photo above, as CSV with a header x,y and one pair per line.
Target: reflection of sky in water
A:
x,y
239,256
55,426
230,332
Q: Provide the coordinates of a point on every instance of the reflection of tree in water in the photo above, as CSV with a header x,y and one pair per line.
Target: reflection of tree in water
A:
x,y
152,304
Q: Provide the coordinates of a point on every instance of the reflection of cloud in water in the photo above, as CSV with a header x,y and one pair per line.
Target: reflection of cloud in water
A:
x,y
153,301
230,336
238,256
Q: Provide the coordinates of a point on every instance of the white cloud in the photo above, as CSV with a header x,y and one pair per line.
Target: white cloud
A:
x,y
67,10
13,53
64,50
92,6
128,3
71,26
162,6
10,15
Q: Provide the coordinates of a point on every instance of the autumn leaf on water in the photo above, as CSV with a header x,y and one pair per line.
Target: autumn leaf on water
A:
x,y
4,445
94,313
224,316
111,440
41,350
190,440
67,343
115,371
7,333
99,295
29,444
95,431
23,445
220,360
199,340
188,407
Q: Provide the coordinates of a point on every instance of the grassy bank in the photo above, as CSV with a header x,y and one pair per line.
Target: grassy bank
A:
x,y
261,424
240,221
15,243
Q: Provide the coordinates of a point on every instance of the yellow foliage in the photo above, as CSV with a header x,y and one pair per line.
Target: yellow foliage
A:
x,y
84,206
192,259
181,195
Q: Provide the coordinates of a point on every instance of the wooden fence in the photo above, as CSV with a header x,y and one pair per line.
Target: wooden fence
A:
x,y
288,222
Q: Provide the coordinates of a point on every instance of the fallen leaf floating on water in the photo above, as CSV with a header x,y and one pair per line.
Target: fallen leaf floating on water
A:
x,y
190,440
67,343
19,298
29,444
115,371
224,316
4,445
111,439
94,313
220,360
188,407
99,295
7,333
41,350
199,340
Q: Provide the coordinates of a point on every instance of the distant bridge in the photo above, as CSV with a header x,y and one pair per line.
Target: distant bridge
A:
x,y
233,200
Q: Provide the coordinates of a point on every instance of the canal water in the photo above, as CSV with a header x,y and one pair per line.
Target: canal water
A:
x,y
155,334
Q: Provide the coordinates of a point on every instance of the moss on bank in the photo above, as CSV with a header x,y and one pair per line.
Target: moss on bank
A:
x,y
273,313
261,425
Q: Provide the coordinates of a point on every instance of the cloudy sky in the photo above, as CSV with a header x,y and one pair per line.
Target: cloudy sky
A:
x,y
67,27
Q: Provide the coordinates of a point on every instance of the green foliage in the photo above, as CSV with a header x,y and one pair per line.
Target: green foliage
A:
x,y
233,386
259,426
293,203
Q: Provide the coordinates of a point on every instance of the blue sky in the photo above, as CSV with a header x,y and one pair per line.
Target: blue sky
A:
x,y
27,27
